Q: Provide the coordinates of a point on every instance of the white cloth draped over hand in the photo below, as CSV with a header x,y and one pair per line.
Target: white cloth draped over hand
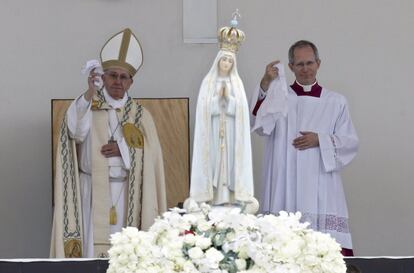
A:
x,y
273,107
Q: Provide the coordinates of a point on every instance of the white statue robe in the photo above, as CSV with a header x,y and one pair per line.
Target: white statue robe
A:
x,y
222,149
308,181
221,171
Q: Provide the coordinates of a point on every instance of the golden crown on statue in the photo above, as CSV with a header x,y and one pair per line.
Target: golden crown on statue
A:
x,y
230,38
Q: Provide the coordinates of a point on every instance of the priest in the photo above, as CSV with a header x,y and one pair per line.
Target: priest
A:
x,y
309,139
109,166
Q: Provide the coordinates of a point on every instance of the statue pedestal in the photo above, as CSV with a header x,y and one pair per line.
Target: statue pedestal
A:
x,y
225,209
252,207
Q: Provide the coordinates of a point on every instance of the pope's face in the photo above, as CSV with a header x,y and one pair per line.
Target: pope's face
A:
x,y
225,65
305,66
117,81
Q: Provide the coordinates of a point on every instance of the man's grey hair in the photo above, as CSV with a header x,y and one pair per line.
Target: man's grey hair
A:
x,y
300,44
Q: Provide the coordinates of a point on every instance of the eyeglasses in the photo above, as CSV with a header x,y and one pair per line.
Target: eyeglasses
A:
x,y
302,65
115,76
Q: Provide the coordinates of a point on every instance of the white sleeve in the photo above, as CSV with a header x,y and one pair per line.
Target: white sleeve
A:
x,y
79,117
338,149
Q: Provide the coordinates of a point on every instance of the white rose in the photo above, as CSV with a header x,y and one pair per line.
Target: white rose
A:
x,y
243,253
116,238
123,259
188,266
203,225
189,239
205,266
202,242
241,264
225,247
159,227
222,225
292,248
195,253
205,207
131,232
230,236
190,218
213,255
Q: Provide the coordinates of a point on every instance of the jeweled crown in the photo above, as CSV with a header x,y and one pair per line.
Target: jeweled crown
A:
x,y
230,38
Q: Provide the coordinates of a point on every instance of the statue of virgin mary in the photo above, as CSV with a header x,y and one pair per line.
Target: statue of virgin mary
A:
x,y
222,160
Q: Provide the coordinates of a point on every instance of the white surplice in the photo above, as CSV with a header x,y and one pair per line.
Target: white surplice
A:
x,y
309,180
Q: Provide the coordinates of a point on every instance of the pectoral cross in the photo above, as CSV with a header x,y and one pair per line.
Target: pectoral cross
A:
x,y
111,140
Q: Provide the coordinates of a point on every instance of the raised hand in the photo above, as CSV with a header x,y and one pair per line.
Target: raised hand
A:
x,y
91,85
271,73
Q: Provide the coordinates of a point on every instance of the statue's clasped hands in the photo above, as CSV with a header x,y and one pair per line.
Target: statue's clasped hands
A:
x,y
224,93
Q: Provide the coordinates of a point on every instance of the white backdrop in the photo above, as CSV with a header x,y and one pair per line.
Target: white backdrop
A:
x,y
366,49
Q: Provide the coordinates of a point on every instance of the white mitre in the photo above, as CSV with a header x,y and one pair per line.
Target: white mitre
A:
x,y
122,50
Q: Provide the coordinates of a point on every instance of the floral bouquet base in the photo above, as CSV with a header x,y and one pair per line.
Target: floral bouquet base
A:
x,y
225,241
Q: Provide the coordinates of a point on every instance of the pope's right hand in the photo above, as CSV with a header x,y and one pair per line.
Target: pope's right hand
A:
x,y
271,73
91,85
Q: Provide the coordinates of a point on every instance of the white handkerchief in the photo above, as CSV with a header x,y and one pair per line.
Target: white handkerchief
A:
x,y
90,65
275,104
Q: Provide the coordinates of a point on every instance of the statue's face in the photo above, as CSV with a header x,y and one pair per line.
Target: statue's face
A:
x,y
225,65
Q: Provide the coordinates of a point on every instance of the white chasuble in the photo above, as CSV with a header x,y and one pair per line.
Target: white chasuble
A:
x,y
133,183
309,180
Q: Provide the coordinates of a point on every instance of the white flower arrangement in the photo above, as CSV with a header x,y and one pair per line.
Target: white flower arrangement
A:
x,y
225,242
